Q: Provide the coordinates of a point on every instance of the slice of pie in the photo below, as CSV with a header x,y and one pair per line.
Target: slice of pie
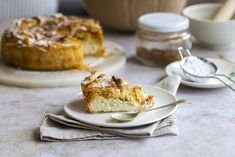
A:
x,y
112,94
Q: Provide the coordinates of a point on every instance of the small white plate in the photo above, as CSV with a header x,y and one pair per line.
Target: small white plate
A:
x,y
77,110
224,67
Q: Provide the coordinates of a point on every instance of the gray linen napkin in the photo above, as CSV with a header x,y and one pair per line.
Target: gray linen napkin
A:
x,y
63,128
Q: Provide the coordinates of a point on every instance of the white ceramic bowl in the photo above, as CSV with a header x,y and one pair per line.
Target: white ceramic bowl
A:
x,y
211,34
123,14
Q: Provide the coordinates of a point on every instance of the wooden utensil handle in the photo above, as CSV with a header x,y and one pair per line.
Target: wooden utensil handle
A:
x,y
225,12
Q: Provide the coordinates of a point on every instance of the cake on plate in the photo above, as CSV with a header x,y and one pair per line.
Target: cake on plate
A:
x,y
53,42
113,94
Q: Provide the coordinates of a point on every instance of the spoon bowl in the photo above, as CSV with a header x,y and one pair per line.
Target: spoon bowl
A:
x,y
124,117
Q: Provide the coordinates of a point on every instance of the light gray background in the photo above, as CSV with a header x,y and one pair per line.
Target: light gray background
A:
x,y
206,126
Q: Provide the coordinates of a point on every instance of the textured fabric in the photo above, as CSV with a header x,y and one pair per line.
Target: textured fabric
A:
x,y
63,128
11,9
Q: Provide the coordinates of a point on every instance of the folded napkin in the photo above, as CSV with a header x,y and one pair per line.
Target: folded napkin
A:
x,y
63,128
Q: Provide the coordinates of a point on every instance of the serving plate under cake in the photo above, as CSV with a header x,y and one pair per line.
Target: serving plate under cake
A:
x,y
114,60
77,110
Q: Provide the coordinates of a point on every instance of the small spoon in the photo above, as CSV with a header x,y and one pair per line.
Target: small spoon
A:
x,y
129,116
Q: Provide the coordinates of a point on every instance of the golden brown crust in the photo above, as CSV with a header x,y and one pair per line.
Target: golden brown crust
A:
x,y
38,58
113,88
52,42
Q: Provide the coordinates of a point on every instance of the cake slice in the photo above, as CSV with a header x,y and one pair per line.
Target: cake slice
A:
x,y
112,94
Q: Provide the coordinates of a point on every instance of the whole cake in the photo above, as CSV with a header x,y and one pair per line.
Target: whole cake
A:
x,y
51,42
112,94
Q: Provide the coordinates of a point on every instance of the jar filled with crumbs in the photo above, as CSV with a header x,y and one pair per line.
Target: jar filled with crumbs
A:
x,y
159,36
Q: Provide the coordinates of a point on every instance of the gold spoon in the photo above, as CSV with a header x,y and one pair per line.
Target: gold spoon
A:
x,y
129,116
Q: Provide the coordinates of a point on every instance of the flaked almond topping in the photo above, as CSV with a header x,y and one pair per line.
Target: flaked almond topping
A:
x,y
38,19
20,43
17,23
58,38
51,28
74,30
61,25
118,81
38,30
51,34
31,41
38,36
42,43
83,28
91,77
28,33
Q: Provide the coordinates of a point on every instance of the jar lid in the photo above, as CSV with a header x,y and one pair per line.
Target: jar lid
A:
x,y
163,22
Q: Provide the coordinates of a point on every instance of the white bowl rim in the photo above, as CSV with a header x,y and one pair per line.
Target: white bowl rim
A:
x,y
186,10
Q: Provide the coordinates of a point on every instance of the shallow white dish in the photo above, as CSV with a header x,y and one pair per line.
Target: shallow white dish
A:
x,y
224,67
76,109
14,76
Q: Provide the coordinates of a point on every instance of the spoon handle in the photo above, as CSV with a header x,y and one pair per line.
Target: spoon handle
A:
x,y
224,83
226,77
170,104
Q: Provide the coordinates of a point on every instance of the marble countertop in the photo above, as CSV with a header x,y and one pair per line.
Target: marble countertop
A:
x,y
206,126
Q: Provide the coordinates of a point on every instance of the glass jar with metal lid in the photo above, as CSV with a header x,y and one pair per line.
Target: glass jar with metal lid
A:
x,y
158,37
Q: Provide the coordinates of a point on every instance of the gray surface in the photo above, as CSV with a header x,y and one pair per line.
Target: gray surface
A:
x,y
206,126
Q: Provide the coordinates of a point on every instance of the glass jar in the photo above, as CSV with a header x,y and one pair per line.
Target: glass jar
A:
x,y
159,36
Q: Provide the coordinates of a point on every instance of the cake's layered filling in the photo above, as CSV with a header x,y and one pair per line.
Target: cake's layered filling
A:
x,y
102,104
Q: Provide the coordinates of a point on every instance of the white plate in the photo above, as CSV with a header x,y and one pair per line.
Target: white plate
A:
x,y
76,109
224,67
11,75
